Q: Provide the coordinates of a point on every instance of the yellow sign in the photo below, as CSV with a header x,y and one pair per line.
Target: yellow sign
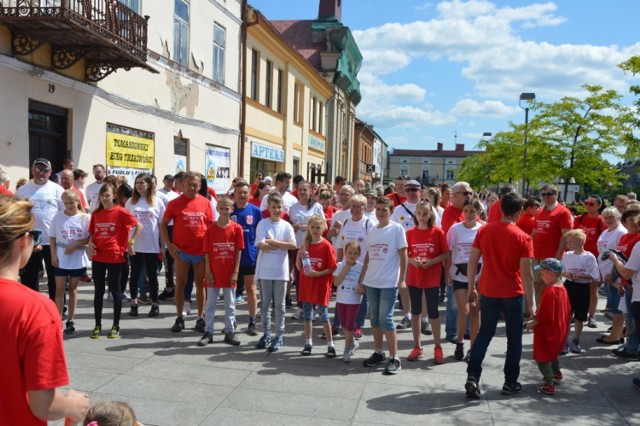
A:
x,y
129,151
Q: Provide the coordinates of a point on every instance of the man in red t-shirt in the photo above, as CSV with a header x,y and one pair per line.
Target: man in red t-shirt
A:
x,y
553,220
399,196
453,213
191,214
495,212
506,287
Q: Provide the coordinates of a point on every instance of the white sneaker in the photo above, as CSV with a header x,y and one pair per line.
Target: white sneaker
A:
x,y
346,357
354,347
126,296
186,308
298,314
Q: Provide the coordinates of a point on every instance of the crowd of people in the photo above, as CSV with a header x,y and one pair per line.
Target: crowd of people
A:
x,y
534,264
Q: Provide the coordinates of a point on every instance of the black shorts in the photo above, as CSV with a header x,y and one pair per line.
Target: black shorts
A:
x,y
578,298
246,270
460,285
433,297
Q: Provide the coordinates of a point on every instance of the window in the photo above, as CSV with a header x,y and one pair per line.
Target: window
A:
x,y
219,41
314,112
450,175
321,118
404,161
181,32
132,4
404,171
268,89
279,92
298,102
255,57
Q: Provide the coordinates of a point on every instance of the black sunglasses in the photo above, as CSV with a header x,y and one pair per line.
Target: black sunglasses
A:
x,y
36,234
463,193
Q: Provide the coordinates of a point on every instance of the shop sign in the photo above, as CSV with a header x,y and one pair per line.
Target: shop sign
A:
x,y
267,153
316,143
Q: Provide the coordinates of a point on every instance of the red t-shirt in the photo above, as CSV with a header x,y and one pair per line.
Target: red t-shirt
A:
x,y
83,200
222,244
527,223
549,226
110,233
450,216
495,212
427,244
502,245
396,198
317,290
254,186
255,201
328,215
5,191
190,221
627,242
212,192
553,315
593,227
32,353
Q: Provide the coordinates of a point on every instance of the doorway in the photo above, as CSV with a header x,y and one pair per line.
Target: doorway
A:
x,y
48,134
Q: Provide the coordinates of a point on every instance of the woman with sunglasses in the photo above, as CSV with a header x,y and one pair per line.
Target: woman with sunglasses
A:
x,y
32,352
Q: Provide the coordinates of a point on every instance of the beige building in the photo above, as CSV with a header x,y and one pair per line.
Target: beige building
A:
x,y
285,106
431,167
138,85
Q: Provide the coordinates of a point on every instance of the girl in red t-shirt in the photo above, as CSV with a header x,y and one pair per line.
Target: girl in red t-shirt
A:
x,y
427,249
109,240
316,261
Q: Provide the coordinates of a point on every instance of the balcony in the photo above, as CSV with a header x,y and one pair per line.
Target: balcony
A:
x,y
106,34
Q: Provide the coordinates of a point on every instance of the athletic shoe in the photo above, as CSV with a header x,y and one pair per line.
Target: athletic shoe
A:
x,y
393,367
167,294
404,324
251,329
459,352
467,357
622,353
200,325
144,299
575,347
511,388
547,389
186,308
155,311
636,383
451,338
125,295
114,333
557,376
110,297
275,344
346,356
357,333
96,332
426,328
375,359
415,354
354,347
264,341
297,315
239,299
231,339
85,278
134,311
205,339
306,351
438,356
331,352
178,326
69,329
472,390
592,323
565,350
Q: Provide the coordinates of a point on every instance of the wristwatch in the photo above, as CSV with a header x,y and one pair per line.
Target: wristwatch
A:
x,y
132,241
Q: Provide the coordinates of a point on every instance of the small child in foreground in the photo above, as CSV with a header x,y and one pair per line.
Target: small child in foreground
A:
x,y
111,413
550,324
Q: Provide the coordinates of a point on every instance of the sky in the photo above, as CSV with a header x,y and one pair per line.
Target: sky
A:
x,y
450,71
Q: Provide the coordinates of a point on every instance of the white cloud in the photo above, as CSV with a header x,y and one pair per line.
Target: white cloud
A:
x,y
493,109
403,116
423,7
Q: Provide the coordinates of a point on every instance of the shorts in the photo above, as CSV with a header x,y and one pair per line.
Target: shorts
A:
x,y
579,296
246,270
536,272
433,298
307,312
191,259
460,285
60,272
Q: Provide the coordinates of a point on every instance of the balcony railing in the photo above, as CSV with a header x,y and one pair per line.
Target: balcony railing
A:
x,y
105,33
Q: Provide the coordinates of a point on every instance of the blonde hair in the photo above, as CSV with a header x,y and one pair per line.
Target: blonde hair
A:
x,y
16,219
225,199
317,220
577,233
72,195
111,413
354,245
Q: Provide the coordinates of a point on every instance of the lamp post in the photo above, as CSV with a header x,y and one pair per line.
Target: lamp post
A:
x,y
525,97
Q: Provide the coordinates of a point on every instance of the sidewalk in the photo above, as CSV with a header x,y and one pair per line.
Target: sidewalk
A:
x,y
168,380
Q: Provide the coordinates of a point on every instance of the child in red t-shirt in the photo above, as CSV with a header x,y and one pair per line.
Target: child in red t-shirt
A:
x,y
109,240
527,220
316,262
222,244
427,249
550,324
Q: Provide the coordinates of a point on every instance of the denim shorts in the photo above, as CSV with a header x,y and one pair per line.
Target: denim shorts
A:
x,y
191,259
60,272
381,303
307,312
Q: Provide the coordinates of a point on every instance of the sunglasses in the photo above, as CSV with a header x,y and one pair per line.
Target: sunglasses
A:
x,y
36,234
548,194
43,171
589,203
411,190
467,193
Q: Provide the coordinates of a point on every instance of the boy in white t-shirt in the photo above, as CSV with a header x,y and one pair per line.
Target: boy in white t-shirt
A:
x,y
274,237
579,268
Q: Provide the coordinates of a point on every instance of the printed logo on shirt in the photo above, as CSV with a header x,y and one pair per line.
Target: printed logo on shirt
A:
x,y
249,220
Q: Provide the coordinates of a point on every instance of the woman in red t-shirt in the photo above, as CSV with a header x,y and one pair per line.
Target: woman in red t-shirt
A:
x,y
316,261
262,190
109,240
427,249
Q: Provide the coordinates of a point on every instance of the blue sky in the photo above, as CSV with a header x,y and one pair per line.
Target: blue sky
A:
x,y
432,70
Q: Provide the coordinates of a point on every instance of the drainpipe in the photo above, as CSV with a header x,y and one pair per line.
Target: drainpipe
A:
x,y
243,82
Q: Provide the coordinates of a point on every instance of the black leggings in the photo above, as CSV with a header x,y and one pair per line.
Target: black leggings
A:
x,y
112,271
32,269
431,294
635,308
151,262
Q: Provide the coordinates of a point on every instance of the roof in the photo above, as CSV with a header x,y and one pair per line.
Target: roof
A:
x,y
297,33
432,153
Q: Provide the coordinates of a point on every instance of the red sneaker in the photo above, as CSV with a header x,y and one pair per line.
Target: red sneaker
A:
x,y
438,356
547,389
557,376
357,333
415,354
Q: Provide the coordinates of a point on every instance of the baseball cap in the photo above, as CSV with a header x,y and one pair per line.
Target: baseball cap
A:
x,y
168,177
42,161
412,182
552,264
267,179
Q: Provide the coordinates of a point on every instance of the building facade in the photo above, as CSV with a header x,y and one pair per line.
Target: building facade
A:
x,y
363,167
177,108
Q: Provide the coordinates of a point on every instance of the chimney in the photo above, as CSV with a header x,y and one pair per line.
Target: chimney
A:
x,y
330,10
459,147
439,146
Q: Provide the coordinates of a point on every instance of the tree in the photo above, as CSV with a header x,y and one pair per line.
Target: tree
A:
x,y
580,132
632,65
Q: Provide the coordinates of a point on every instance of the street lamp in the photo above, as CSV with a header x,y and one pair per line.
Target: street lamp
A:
x,y
525,97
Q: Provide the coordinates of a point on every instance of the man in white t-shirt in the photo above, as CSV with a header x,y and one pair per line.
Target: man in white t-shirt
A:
x,y
47,202
344,197
92,190
283,180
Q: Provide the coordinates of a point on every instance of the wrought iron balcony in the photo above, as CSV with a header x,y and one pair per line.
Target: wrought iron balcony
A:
x,y
105,33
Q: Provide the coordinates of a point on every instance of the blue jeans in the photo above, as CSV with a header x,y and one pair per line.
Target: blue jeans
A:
x,y
360,318
490,309
381,303
632,342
